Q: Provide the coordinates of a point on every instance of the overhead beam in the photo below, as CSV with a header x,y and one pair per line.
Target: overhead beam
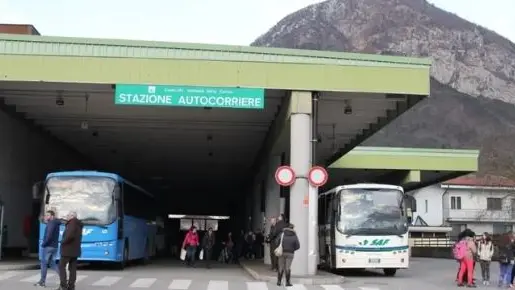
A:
x,y
409,159
12,113
274,131
401,107
412,176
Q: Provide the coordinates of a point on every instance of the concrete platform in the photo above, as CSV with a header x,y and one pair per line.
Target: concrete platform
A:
x,y
261,272
18,264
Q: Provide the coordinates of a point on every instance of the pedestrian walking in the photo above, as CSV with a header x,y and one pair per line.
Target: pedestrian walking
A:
x,y
271,244
49,246
464,251
70,251
506,259
289,244
208,242
190,244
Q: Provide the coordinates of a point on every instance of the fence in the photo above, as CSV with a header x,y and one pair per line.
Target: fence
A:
x,y
440,247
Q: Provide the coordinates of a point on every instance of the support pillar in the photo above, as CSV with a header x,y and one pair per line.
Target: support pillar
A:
x,y
300,161
273,195
257,219
248,210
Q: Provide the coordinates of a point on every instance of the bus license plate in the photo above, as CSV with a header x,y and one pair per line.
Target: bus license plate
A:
x,y
374,261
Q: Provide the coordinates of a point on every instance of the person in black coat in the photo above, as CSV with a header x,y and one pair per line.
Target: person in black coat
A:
x,y
70,251
208,243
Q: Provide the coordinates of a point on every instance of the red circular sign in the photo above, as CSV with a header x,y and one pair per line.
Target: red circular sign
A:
x,y
285,176
317,176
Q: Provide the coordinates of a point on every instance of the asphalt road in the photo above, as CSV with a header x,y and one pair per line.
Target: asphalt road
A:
x,y
427,274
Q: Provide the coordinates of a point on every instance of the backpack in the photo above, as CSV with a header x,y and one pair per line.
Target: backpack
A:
x,y
460,250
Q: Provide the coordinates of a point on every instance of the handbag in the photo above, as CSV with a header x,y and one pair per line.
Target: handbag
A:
x,y
279,250
201,255
183,254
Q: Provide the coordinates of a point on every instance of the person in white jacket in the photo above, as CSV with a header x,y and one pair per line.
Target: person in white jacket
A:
x,y
485,253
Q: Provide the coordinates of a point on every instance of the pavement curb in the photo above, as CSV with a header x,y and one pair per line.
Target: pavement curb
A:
x,y
18,267
295,280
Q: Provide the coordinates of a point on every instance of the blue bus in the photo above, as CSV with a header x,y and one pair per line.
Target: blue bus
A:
x,y
119,217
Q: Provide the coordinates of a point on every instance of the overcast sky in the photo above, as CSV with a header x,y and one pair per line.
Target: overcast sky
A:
x,y
203,21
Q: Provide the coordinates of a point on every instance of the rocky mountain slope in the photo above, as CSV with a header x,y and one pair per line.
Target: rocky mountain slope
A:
x,y
473,87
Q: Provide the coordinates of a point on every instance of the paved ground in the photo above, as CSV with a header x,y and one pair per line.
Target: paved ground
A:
x,y
427,274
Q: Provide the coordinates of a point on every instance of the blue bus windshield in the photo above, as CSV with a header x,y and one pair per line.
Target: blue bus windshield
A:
x,y
91,197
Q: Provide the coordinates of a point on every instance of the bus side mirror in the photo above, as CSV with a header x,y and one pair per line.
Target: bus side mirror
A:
x,y
36,190
117,194
410,203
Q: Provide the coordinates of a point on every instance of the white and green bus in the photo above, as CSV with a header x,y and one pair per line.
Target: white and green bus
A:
x,y
363,226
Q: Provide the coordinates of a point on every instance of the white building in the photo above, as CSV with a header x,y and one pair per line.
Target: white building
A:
x,y
483,204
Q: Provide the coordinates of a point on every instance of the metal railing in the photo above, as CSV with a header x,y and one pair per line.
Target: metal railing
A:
x,y
431,242
504,215
442,247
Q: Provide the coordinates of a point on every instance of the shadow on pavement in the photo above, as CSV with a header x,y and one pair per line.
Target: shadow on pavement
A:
x,y
160,263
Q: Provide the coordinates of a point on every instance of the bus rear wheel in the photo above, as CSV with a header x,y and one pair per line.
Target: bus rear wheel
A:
x,y
148,254
125,257
390,272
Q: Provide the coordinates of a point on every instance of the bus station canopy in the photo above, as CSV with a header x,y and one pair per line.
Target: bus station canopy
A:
x,y
412,168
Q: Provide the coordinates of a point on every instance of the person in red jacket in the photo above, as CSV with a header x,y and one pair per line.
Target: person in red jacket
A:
x,y
190,244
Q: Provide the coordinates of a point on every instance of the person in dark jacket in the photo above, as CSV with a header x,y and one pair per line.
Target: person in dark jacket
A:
x,y
49,246
506,258
70,251
208,242
290,243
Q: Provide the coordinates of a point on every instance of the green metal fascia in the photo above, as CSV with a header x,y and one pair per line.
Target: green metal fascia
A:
x,y
67,46
412,176
288,76
409,159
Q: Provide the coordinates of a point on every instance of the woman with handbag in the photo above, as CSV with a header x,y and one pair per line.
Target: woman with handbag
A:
x,y
285,252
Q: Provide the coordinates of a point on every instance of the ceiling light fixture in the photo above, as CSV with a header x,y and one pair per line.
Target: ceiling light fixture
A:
x,y
84,125
59,101
347,110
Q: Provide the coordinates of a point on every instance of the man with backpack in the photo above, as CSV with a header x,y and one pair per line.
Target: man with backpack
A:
x,y
465,251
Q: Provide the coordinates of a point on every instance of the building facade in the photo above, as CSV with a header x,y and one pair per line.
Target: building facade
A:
x,y
483,204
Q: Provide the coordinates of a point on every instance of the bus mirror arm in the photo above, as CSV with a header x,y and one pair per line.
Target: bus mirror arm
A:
x,y
47,196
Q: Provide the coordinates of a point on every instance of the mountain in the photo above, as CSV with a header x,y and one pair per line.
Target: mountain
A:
x,y
472,103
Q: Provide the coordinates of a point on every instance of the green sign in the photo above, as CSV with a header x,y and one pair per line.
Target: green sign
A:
x,y
375,242
180,96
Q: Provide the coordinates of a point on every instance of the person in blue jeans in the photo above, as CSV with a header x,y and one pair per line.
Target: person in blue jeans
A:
x,y
505,260
49,246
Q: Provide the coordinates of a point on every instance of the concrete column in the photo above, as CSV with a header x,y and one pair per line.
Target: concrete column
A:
x,y
300,155
273,194
248,208
257,219
313,242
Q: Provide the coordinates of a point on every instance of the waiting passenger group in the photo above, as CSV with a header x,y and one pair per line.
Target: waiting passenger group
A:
x,y
282,239
467,251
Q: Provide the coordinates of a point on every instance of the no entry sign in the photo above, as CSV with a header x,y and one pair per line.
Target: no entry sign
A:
x,y
317,176
285,176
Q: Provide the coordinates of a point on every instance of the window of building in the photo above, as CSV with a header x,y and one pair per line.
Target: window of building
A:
x,y
455,202
426,205
493,203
